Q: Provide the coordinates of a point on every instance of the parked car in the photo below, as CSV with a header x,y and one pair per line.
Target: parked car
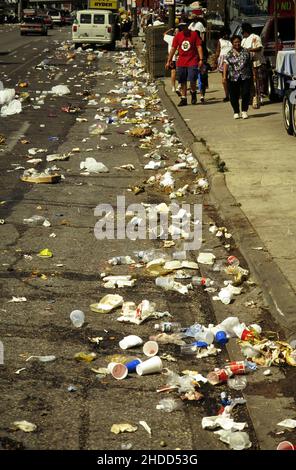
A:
x,y
57,16
68,18
33,25
95,27
47,19
286,41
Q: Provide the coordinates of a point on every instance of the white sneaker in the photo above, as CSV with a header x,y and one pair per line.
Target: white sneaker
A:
x,y
244,115
236,116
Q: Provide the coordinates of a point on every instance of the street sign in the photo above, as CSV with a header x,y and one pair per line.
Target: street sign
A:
x,y
169,2
103,4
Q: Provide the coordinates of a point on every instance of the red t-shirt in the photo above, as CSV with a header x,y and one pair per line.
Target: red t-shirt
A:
x,y
187,46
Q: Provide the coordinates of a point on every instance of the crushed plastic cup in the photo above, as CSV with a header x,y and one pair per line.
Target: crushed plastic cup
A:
x,y
117,370
130,341
132,365
237,382
151,366
239,440
285,445
150,348
77,318
225,296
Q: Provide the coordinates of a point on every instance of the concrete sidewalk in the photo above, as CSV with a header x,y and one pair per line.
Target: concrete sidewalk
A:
x,y
260,158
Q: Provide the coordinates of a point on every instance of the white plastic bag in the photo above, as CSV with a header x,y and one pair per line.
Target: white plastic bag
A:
x,y
60,90
6,95
14,107
91,165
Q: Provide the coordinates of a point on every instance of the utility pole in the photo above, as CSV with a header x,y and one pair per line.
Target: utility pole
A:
x,y
19,9
172,9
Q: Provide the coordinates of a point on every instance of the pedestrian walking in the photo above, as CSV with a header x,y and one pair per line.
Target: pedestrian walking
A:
x,y
190,57
252,42
197,25
237,73
223,47
126,30
168,38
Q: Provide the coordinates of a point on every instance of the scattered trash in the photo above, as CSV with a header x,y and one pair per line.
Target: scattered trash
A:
x,y
145,426
107,303
33,176
288,423
85,357
130,342
46,253
77,318
60,90
42,358
92,166
25,426
18,299
169,405
123,427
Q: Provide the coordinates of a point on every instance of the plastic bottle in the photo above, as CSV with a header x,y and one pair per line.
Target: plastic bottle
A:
x,y
233,261
168,327
205,336
201,281
193,330
77,318
192,348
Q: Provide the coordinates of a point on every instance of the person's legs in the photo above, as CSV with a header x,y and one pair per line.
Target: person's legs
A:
x,y
245,86
192,77
234,93
182,73
225,86
173,77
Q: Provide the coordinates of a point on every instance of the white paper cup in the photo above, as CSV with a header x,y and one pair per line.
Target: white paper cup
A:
x,y
150,348
151,366
117,370
130,341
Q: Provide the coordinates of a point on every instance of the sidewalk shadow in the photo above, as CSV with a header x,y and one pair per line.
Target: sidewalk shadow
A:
x,y
212,101
263,115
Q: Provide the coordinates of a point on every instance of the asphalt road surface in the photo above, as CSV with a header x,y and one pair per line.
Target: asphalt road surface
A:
x,y
38,392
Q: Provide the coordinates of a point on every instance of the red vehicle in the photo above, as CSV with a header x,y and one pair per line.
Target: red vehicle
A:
x,y
47,19
33,25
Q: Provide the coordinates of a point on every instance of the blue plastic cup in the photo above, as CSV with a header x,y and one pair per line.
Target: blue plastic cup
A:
x,y
221,337
132,365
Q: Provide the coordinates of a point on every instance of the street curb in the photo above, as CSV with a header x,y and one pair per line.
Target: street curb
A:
x,y
276,289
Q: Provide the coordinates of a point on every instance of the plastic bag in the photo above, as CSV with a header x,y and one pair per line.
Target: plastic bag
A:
x,y
91,165
14,107
60,90
6,95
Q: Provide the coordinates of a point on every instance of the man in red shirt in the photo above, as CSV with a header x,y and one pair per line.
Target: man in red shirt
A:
x,y
189,47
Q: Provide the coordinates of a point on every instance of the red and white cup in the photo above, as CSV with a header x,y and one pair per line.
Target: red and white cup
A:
x,y
236,367
285,445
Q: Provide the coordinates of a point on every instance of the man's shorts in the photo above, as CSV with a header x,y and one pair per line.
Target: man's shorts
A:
x,y
187,74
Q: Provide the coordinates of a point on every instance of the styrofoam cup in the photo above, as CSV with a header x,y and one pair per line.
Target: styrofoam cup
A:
x,y
150,348
151,366
130,341
117,370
